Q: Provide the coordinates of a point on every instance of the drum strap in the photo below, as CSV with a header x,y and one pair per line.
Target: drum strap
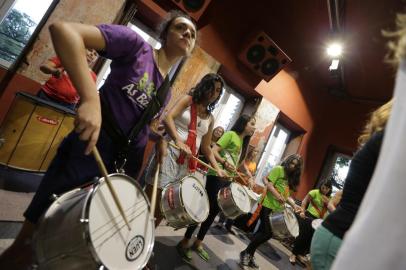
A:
x,y
258,210
321,212
123,142
191,139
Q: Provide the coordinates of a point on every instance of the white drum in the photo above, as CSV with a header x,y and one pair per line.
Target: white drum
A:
x,y
234,200
284,224
184,202
83,229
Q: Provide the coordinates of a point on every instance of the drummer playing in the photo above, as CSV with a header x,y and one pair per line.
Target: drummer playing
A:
x,y
189,124
281,180
314,206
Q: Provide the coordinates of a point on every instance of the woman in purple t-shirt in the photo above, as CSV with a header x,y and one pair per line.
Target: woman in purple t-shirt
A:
x,y
137,71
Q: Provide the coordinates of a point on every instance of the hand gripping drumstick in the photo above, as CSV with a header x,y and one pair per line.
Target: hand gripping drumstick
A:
x,y
154,191
195,158
103,171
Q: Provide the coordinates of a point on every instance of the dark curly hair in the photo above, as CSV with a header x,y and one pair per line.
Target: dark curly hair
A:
x,y
293,176
167,22
328,183
239,127
206,85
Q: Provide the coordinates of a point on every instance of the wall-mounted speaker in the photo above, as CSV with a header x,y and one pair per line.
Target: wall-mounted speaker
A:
x,y
194,8
263,56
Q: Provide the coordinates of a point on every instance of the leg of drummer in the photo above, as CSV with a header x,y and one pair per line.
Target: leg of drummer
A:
x,y
263,234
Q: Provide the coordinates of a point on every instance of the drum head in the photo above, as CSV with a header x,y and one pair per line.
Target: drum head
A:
x,y
194,198
291,221
240,197
111,242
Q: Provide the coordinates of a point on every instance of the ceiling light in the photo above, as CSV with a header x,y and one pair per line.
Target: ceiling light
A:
x,y
334,50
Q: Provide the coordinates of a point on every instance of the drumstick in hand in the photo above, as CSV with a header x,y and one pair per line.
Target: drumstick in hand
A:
x,y
154,190
103,171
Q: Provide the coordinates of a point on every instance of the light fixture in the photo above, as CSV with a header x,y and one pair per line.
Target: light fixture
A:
x,y
334,64
334,49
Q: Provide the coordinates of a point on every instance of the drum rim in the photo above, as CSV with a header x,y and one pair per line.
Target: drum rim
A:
x,y
85,216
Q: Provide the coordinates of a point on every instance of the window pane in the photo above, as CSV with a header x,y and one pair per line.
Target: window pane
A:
x,y
18,26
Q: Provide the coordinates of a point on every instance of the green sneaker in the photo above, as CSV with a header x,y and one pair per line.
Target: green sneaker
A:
x,y
201,252
185,253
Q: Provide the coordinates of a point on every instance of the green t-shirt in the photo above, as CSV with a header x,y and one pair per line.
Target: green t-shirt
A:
x,y
316,196
278,179
230,144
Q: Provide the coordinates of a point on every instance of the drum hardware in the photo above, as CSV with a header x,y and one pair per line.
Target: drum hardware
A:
x,y
84,220
120,169
54,197
2,142
103,170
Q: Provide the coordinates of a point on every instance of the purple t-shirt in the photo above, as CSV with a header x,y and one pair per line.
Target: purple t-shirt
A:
x,y
133,80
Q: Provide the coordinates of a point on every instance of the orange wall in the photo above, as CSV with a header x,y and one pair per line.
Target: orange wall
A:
x,y
326,120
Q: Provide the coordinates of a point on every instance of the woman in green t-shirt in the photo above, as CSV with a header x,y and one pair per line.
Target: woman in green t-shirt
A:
x,y
314,206
229,151
281,180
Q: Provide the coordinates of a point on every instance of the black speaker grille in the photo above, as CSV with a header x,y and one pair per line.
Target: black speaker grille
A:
x,y
270,66
256,54
193,5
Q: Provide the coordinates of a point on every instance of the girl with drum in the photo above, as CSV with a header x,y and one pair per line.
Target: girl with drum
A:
x,y
328,237
229,151
314,206
281,180
189,124
137,71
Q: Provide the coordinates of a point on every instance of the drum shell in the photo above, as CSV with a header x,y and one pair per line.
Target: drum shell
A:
x,y
66,247
33,126
177,215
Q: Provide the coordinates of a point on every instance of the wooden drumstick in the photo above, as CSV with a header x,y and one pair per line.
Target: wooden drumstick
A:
x,y
154,191
198,160
104,173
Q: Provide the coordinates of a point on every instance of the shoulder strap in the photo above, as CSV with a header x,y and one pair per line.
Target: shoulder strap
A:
x,y
152,109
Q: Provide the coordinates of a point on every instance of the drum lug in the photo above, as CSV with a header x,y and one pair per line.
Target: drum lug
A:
x,y
54,197
2,142
84,220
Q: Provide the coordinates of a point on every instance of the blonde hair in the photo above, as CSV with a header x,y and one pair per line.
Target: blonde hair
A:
x,y
397,46
376,122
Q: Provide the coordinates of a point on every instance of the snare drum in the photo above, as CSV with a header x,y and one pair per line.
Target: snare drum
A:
x,y
184,202
83,229
284,224
234,200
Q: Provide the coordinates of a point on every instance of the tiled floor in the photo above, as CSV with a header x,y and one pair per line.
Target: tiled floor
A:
x,y
223,248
